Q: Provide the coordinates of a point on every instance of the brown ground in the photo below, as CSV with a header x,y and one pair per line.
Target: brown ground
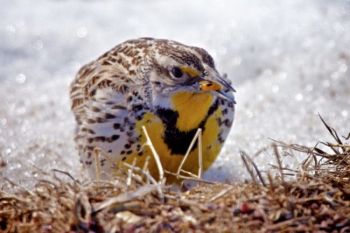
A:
x,y
317,199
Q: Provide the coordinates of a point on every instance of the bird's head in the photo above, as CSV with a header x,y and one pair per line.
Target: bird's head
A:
x,y
177,67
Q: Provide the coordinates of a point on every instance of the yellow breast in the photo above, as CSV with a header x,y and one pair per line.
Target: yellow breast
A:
x,y
191,110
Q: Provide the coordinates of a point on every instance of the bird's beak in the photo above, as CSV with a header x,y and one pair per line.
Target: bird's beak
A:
x,y
222,88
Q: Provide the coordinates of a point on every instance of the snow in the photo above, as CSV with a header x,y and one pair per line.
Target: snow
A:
x,y
288,60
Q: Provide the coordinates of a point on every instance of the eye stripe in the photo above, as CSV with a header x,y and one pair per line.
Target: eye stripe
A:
x,y
190,71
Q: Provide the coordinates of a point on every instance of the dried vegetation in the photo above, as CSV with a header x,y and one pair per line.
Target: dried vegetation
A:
x,y
314,198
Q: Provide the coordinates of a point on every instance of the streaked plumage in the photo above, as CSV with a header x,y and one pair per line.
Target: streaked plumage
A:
x,y
170,88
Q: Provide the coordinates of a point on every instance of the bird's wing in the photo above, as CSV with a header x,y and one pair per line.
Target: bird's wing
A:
x,y
106,101
100,83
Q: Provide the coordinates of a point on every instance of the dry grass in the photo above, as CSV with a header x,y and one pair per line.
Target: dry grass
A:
x,y
317,199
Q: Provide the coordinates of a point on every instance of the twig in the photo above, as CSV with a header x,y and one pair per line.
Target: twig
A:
x,y
245,159
278,158
191,178
67,174
200,154
127,196
251,173
97,163
149,178
130,172
221,193
199,132
18,185
143,172
284,224
332,131
145,167
155,155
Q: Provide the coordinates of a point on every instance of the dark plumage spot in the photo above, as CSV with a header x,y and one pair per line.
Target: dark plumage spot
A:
x,y
205,56
118,107
123,88
115,137
91,121
105,63
128,152
147,38
116,126
227,122
100,120
109,116
213,108
93,92
130,141
219,122
96,109
137,107
127,146
220,139
102,162
210,61
109,151
124,158
100,138
126,120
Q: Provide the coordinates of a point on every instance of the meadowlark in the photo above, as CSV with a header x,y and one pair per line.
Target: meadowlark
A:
x,y
169,88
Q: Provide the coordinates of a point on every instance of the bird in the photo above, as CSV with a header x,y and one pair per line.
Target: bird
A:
x,y
170,88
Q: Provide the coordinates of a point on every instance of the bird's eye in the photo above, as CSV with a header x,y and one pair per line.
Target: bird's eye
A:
x,y
176,72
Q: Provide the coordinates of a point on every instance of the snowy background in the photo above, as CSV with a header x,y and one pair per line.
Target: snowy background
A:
x,y
288,60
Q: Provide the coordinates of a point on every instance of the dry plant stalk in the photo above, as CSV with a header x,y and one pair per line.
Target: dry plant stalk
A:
x,y
155,154
198,136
